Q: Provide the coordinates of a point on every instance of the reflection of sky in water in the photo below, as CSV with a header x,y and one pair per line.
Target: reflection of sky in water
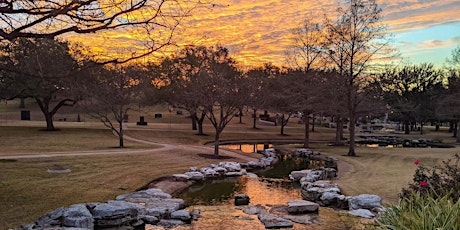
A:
x,y
227,216
247,148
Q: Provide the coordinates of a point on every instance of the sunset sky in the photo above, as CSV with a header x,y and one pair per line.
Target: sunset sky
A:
x,y
257,31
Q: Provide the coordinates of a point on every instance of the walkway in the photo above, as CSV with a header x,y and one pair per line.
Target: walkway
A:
x,y
163,147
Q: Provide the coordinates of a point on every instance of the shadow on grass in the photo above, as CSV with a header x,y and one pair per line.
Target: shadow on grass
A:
x,y
212,156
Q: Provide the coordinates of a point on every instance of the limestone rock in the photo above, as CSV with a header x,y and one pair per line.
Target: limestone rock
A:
x,y
362,213
365,201
183,215
297,175
255,210
271,221
116,213
77,216
195,175
301,206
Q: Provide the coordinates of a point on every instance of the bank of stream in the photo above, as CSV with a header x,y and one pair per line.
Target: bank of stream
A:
x,y
271,188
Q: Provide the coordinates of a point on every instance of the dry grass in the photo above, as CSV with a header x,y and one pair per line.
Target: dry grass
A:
x,y
29,191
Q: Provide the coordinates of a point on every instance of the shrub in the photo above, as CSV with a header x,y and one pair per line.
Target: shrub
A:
x,y
441,179
419,211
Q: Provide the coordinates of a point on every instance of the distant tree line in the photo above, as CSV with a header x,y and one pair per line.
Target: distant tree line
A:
x,y
334,69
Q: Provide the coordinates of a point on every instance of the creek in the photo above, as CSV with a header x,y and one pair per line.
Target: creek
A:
x,y
272,188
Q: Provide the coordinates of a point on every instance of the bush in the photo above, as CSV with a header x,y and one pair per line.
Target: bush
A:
x,y
442,180
431,201
418,211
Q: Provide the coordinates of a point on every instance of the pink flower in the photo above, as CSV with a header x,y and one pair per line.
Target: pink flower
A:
x,y
422,183
416,162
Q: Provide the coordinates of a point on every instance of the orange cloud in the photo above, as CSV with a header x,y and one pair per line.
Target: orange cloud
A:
x,y
258,32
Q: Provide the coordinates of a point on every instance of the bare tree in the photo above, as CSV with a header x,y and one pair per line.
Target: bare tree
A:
x,y
112,95
221,94
355,39
183,76
45,70
305,55
154,19
259,95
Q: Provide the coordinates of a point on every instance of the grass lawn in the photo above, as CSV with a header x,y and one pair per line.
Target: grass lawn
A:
x,y
29,191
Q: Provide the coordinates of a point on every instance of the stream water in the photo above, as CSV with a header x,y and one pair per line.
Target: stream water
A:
x,y
215,199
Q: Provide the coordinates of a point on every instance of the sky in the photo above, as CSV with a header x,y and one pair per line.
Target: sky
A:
x,y
258,31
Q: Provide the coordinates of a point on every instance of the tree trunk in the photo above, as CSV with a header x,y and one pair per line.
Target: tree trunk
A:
x,y
200,122
451,126
455,129
313,124
421,128
307,131
283,123
254,119
338,135
44,107
406,127
120,134
351,143
216,142
241,116
49,121
194,120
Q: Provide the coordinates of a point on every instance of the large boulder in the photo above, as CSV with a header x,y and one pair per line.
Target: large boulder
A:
x,y
116,213
301,206
364,201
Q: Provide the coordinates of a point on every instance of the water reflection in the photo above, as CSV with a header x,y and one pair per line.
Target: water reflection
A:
x,y
222,191
248,148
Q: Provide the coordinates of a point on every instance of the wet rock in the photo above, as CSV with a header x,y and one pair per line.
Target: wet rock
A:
x,y
241,199
271,221
301,206
77,216
362,213
364,201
